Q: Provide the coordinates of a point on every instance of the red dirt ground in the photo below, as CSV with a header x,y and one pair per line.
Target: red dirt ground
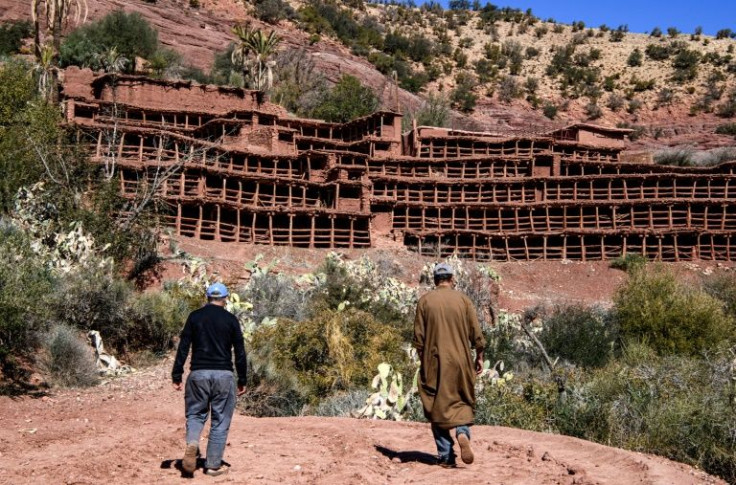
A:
x,y
129,431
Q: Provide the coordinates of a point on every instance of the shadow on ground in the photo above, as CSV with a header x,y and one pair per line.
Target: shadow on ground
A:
x,y
407,456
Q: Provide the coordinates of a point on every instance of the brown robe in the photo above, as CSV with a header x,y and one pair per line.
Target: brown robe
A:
x,y
445,328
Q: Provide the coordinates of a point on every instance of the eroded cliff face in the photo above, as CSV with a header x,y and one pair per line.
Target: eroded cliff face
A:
x,y
198,33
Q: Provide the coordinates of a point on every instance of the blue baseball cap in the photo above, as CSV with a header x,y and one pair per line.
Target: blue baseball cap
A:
x,y
217,290
443,269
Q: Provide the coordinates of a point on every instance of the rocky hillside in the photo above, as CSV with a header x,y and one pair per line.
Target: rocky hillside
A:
x,y
502,69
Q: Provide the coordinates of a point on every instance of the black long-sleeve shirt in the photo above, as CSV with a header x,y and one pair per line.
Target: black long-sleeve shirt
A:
x,y
212,332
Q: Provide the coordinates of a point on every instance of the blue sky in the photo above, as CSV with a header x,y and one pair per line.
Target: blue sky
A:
x,y
640,15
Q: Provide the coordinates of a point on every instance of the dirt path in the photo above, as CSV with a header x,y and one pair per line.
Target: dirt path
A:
x,y
129,431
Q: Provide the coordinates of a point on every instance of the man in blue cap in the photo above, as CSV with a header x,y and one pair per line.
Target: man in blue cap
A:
x,y
213,333
445,328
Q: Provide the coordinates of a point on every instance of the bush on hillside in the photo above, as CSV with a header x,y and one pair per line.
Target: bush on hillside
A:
x,y
25,286
129,33
630,262
347,100
95,300
20,115
434,112
654,308
463,97
273,11
334,350
726,129
12,35
678,157
685,64
635,58
155,318
69,358
584,336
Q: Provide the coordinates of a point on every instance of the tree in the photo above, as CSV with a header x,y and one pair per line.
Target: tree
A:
x,y
347,100
56,13
128,33
253,52
635,58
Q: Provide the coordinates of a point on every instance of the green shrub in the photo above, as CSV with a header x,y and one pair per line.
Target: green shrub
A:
x,y
347,100
333,350
619,34
12,35
528,409
656,32
657,52
508,89
727,109
276,296
342,404
21,115
582,335
671,317
70,360
635,58
273,11
129,33
434,112
25,285
155,318
726,129
677,407
678,157
685,64
550,110
630,262
95,300
723,287
724,34
463,96
593,111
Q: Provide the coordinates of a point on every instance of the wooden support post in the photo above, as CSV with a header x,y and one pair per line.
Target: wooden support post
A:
x,y
312,232
332,231
198,231
237,222
217,226
270,229
291,227
178,219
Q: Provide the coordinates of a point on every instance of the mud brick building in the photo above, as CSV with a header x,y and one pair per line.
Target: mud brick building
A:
x,y
235,168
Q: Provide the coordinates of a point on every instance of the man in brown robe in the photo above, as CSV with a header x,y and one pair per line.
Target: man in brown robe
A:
x,y
445,328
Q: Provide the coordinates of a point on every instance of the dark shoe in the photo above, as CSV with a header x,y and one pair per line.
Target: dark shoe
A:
x,y
466,452
189,462
447,462
216,472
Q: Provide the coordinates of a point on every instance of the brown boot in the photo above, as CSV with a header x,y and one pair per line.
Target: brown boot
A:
x,y
466,452
189,462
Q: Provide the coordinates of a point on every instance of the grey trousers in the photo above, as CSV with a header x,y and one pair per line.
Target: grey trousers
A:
x,y
210,391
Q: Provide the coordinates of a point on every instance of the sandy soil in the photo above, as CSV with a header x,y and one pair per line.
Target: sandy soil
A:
x,y
130,431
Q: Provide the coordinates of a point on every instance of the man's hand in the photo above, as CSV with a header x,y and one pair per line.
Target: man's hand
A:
x,y
478,361
241,390
177,386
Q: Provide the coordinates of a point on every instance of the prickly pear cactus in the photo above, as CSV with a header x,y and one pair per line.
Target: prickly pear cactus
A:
x,y
493,376
389,401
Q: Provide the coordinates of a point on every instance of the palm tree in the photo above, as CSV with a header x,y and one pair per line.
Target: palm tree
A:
x,y
253,52
46,70
57,14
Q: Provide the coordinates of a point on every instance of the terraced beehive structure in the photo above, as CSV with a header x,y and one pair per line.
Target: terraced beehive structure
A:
x,y
236,168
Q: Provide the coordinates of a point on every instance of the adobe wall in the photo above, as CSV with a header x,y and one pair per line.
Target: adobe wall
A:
x,y
593,138
436,191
